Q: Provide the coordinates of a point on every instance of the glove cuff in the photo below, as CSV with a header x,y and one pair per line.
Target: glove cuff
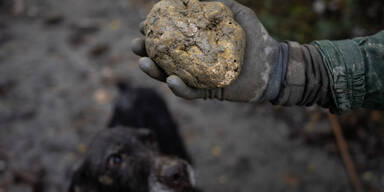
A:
x,y
306,80
277,73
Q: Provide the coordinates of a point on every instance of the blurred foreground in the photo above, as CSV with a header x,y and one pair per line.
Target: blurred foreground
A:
x,y
60,61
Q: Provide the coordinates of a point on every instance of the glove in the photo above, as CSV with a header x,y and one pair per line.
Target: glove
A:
x,y
284,73
261,74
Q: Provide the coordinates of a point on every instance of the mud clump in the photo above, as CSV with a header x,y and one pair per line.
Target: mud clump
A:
x,y
198,41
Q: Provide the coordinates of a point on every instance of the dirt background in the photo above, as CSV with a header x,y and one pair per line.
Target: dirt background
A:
x,y
59,62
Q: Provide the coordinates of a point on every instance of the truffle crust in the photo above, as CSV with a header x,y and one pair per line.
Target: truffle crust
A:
x,y
198,41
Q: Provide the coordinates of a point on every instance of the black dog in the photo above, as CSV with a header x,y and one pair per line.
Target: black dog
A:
x,y
127,158
144,108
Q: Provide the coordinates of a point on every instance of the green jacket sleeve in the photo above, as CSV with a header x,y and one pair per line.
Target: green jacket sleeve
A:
x,y
356,71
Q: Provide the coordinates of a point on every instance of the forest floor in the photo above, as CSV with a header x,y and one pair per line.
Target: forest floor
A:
x,y
59,63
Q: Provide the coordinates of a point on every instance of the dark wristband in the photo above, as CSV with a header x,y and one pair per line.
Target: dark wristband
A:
x,y
305,82
278,73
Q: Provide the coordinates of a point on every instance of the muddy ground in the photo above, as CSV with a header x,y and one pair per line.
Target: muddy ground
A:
x,y
59,63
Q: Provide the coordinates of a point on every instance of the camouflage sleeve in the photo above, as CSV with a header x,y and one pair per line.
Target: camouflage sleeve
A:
x,y
356,71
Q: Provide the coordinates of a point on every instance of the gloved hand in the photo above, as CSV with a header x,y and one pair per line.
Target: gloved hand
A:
x,y
262,69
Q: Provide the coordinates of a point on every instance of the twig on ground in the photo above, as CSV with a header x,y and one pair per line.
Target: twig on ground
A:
x,y
343,147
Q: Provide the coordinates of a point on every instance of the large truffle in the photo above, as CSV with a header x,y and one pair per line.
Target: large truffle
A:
x,y
198,41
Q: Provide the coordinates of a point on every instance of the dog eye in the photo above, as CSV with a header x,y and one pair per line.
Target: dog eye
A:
x,y
114,160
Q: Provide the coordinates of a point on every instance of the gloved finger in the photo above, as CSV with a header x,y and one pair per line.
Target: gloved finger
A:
x,y
138,47
141,26
180,89
147,65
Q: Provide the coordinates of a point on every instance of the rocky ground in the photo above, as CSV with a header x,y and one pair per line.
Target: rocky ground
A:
x,y
59,62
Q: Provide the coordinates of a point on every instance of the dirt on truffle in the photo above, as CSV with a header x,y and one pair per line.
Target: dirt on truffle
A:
x,y
198,41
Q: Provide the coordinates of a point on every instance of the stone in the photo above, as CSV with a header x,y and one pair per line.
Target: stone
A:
x,y
198,41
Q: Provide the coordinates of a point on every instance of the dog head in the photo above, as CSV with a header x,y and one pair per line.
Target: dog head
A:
x,y
123,159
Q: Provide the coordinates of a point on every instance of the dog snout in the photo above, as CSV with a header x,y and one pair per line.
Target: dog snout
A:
x,y
175,173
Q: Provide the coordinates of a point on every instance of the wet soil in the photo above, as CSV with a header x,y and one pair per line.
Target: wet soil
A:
x,y
59,63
